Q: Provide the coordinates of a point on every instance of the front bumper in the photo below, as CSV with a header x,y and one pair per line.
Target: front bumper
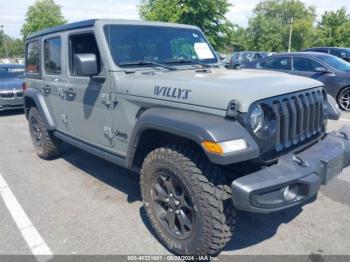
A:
x,y
295,178
11,100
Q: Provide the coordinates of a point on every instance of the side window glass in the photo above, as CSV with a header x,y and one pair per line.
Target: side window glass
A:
x,y
278,63
334,52
33,58
320,50
83,44
52,56
304,64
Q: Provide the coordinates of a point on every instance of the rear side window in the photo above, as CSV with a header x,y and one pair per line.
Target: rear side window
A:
x,y
305,64
33,58
326,51
52,56
278,63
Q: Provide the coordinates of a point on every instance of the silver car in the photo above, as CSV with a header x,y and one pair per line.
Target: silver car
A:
x,y
11,86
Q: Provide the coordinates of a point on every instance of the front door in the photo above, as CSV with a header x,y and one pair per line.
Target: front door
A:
x,y
307,67
86,106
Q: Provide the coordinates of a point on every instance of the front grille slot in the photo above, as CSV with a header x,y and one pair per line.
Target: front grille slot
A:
x,y
298,117
7,95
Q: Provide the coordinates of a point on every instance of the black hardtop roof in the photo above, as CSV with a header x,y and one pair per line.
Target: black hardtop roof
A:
x,y
92,22
70,26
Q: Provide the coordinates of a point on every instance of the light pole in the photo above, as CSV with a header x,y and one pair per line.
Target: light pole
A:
x,y
290,34
109,8
3,37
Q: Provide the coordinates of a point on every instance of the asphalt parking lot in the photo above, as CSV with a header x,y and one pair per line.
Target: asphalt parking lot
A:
x,y
80,204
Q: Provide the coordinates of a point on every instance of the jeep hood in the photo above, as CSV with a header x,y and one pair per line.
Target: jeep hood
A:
x,y
213,88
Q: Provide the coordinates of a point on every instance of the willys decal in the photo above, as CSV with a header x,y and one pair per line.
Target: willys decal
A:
x,y
171,92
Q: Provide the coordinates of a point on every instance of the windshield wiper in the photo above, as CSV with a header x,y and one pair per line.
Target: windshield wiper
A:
x,y
184,61
142,63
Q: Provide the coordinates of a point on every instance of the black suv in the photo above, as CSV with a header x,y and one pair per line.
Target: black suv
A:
x,y
343,53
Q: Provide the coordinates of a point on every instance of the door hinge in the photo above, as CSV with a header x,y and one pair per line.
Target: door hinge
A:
x,y
108,132
61,92
105,99
109,99
64,119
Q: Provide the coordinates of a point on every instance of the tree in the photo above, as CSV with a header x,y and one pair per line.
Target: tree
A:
x,y
333,29
240,40
41,15
209,15
14,46
268,28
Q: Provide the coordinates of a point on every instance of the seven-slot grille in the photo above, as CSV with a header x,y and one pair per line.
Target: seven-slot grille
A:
x,y
299,116
11,94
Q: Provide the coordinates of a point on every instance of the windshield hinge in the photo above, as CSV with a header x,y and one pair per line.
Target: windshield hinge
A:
x,y
109,99
108,132
232,109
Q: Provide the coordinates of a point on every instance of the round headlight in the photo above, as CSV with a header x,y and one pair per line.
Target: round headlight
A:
x,y
257,118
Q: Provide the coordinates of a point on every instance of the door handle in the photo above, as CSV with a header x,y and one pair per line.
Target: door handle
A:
x,y
47,90
71,92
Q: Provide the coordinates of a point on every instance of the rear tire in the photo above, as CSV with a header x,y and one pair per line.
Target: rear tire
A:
x,y
46,145
196,192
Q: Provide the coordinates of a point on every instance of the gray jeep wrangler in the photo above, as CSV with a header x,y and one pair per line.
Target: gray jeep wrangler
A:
x,y
154,98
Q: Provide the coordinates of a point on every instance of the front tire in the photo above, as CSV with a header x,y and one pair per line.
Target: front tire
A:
x,y
187,201
46,145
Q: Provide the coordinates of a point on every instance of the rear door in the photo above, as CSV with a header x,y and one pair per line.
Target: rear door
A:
x,y
53,79
303,66
39,77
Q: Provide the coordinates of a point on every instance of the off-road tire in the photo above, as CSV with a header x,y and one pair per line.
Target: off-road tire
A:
x,y
210,193
50,146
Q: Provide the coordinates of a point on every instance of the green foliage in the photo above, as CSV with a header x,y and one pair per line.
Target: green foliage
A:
x,y
41,15
333,29
15,46
209,15
269,27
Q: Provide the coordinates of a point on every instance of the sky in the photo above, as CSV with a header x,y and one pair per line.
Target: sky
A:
x,y
12,13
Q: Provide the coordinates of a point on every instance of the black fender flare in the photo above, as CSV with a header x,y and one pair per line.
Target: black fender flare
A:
x,y
40,104
196,127
333,111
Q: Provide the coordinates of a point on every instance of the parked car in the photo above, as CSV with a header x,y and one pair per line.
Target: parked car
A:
x,y
154,98
246,57
11,86
343,53
332,71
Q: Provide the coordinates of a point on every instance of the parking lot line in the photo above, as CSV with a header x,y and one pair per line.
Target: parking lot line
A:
x,y
343,119
32,237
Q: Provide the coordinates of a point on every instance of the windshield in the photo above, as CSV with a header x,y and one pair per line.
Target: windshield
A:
x,y
132,44
335,62
12,71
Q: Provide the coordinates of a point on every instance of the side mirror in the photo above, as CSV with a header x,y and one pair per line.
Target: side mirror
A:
x,y
322,70
85,64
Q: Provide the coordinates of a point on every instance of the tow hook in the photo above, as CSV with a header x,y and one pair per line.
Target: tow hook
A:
x,y
300,161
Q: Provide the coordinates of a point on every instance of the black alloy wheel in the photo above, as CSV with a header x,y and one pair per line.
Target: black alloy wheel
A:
x,y
172,205
344,99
